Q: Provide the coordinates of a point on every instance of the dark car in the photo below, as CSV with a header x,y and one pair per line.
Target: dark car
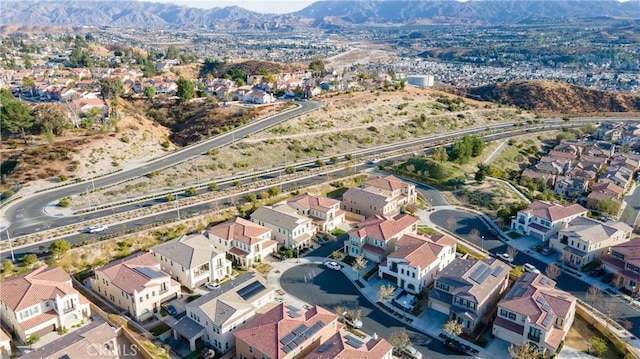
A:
x,y
607,278
172,310
456,346
596,272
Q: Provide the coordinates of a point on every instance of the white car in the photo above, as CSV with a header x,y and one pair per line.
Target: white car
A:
x,y
407,352
505,257
530,268
374,161
97,228
332,265
213,285
355,323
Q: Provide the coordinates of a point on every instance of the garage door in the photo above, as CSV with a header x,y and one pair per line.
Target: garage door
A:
x,y
436,305
536,235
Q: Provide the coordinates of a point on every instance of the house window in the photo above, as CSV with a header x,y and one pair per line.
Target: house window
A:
x,y
534,334
443,287
512,316
250,349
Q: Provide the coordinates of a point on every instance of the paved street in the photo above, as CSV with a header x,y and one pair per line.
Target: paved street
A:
x,y
578,287
314,284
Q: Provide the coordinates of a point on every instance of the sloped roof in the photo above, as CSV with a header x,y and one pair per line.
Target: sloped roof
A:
x,y
35,287
190,250
281,216
265,331
457,275
535,296
420,251
241,230
369,195
593,231
630,250
133,273
336,347
553,212
383,228
387,183
311,201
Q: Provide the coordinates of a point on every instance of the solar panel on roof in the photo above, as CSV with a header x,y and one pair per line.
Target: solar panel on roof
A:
x,y
497,271
484,275
519,291
478,272
300,329
291,307
356,343
546,320
293,314
251,290
324,347
287,338
541,300
286,349
546,308
297,341
149,272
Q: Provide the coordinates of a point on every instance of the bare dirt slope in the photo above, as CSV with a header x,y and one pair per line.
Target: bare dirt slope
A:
x,y
557,97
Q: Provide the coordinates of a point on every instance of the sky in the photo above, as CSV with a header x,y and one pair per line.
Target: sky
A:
x,y
262,6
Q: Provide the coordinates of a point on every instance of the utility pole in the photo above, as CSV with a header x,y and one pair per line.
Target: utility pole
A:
x,y
177,205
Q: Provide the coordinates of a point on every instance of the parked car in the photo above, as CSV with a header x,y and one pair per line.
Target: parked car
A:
x,y
530,268
607,278
171,310
97,228
374,161
546,251
407,352
332,265
456,346
213,285
505,257
596,272
352,322
321,240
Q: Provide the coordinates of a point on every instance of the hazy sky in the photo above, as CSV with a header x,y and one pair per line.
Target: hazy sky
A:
x,y
263,6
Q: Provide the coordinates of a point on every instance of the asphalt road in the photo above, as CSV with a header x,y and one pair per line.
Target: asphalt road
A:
x,y
467,221
316,285
25,212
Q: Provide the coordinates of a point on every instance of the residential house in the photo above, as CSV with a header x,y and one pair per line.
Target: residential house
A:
x,y
324,212
96,339
417,259
542,220
575,147
620,176
40,302
468,290
608,188
631,162
258,97
600,149
192,260
246,242
609,131
595,198
569,187
344,345
84,105
553,165
535,311
290,229
285,332
560,154
375,237
546,178
624,261
586,240
217,315
381,195
578,172
135,284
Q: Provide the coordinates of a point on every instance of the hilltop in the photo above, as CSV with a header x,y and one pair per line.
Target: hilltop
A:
x,y
543,96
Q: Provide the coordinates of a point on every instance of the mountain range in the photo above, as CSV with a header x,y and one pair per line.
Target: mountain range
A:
x,y
321,14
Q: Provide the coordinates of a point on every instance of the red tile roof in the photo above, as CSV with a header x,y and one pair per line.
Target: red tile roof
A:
x,y
336,347
241,230
388,183
39,319
553,212
123,274
311,201
420,251
265,331
630,250
383,228
509,325
35,287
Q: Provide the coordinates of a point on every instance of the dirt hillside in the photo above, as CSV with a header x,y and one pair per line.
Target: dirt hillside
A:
x,y
556,97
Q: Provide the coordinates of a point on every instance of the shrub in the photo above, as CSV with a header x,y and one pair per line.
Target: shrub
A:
x,y
62,178
65,202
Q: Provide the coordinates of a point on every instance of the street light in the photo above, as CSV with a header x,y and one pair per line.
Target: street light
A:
x,y
482,242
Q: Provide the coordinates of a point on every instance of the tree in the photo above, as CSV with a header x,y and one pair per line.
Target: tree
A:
x,y
317,65
59,247
339,311
453,328
149,92
274,191
28,83
32,339
110,88
611,311
28,64
594,294
517,271
252,197
29,259
49,118
212,187
186,90
439,154
359,264
482,172
452,223
15,115
552,271
598,346
524,351
171,53
475,234
7,266
608,206
337,255
512,252
399,339
385,292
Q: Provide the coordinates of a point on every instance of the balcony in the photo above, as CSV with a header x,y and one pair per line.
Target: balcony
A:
x,y
67,310
534,338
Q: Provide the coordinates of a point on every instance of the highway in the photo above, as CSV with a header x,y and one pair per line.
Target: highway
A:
x,y
28,211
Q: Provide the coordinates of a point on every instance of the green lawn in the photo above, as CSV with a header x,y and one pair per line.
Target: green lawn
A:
x,y
426,230
514,235
159,329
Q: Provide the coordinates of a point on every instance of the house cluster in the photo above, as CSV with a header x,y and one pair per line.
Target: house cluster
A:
x,y
591,173
567,229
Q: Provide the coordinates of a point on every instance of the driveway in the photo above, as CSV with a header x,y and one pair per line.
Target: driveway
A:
x,y
316,285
